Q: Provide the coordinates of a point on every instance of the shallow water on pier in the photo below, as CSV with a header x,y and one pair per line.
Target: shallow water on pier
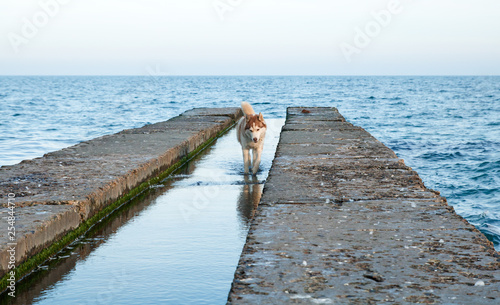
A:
x,y
179,243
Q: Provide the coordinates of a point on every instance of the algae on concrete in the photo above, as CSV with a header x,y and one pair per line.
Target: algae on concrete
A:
x,y
61,195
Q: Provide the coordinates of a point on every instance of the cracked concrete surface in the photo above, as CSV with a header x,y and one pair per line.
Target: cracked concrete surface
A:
x,y
342,220
57,192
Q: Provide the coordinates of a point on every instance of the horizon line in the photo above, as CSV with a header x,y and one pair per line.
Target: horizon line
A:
x,y
259,75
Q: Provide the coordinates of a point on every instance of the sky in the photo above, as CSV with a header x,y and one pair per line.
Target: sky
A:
x,y
249,37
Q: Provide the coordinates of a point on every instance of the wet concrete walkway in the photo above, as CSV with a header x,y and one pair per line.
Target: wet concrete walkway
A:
x,y
343,221
62,190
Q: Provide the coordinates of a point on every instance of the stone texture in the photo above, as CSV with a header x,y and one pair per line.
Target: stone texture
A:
x,y
342,220
58,191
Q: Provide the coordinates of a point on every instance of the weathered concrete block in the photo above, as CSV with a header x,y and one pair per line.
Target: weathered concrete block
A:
x,y
79,181
342,220
36,228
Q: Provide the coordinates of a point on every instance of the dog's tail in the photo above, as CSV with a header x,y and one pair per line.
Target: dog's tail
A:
x,y
247,109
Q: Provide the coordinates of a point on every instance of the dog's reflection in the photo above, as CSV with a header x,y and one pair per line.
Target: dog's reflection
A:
x,y
249,198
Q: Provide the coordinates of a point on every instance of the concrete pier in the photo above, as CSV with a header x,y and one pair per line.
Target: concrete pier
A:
x,y
343,220
67,189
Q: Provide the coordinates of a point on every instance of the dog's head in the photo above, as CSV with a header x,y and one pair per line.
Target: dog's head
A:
x,y
255,127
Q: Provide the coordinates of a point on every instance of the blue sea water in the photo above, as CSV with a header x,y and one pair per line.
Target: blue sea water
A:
x,y
446,128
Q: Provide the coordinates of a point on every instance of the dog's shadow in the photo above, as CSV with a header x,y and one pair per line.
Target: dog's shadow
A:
x,y
249,197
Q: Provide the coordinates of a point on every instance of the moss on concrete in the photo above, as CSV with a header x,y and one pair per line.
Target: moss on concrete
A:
x,y
29,265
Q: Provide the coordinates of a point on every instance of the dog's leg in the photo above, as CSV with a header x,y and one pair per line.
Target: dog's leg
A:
x,y
256,160
246,160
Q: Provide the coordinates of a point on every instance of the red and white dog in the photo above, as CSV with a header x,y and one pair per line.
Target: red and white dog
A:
x,y
251,131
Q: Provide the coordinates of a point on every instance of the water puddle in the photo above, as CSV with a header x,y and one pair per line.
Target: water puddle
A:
x,y
178,243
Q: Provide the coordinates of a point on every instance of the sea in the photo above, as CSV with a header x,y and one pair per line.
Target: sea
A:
x,y
447,128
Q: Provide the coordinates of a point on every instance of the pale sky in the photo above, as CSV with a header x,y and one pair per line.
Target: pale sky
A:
x,y
250,37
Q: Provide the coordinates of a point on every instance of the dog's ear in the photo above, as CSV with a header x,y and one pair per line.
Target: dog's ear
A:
x,y
247,117
261,117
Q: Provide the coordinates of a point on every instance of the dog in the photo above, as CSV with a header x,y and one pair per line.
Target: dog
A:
x,y
251,131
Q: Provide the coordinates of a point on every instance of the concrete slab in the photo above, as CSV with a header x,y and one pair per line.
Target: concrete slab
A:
x,y
36,228
59,191
203,111
356,226
326,136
